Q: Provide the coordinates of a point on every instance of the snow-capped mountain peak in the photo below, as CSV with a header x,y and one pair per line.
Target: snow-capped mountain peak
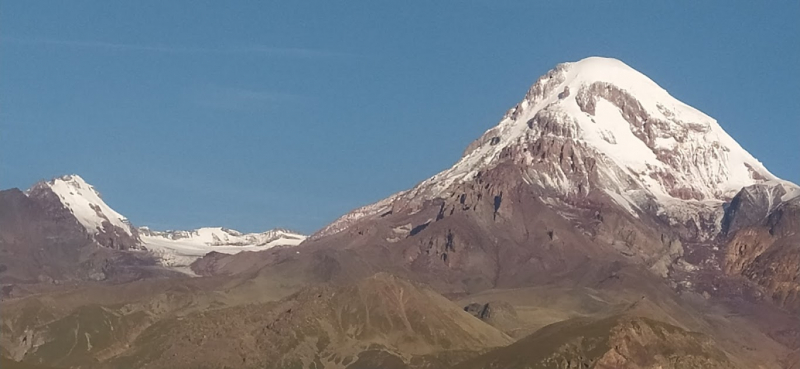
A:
x,y
599,125
86,204
646,139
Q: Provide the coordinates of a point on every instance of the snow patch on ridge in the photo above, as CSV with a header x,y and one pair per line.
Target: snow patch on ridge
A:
x,y
792,191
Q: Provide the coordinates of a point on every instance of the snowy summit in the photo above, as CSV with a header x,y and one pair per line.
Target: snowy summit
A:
x,y
661,145
107,226
599,126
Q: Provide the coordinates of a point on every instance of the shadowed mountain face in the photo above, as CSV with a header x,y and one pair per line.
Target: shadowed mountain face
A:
x,y
41,241
766,250
601,224
28,228
72,196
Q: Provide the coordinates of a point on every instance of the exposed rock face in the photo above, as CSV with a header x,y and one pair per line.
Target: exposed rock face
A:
x,y
766,249
496,313
208,264
498,231
751,206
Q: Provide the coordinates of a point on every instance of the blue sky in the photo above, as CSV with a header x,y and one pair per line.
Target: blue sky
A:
x,y
259,114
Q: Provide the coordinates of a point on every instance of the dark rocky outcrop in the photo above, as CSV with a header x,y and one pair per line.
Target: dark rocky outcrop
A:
x,y
495,313
768,252
750,207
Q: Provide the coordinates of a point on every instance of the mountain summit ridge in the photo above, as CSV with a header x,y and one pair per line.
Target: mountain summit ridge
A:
x,y
607,106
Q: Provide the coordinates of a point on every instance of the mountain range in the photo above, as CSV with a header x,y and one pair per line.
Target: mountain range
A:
x,y
602,223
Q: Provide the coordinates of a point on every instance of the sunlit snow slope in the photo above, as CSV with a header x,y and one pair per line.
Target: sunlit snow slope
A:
x,y
85,203
668,147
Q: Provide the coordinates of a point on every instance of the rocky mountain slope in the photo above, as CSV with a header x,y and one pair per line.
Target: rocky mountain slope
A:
x,y
74,195
762,244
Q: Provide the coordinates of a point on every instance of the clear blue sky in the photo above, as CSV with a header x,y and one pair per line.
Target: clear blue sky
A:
x,y
259,114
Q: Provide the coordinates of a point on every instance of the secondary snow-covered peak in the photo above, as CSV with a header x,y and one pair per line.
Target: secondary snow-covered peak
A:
x,y
642,138
219,236
86,204
180,249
